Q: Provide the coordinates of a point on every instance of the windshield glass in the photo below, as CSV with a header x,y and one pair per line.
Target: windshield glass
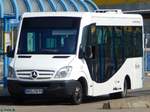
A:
x,y
49,35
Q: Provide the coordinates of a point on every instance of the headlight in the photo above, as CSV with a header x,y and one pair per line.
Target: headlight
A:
x,y
11,72
63,72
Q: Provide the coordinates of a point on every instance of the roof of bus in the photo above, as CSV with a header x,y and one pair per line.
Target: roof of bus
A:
x,y
107,18
79,14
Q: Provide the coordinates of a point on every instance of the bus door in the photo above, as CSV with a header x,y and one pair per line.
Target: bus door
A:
x,y
91,52
99,53
110,51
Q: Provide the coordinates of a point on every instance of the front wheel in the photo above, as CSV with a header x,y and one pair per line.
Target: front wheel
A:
x,y
77,95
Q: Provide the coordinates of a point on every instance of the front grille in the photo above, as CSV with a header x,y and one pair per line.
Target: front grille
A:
x,y
41,74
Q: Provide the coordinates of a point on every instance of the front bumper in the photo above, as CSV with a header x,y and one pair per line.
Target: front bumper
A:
x,y
50,88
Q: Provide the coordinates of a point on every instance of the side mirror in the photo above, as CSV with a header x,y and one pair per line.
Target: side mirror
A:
x,y
92,30
81,53
88,52
10,52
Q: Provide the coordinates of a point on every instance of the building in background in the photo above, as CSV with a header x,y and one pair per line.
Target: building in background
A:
x,y
133,6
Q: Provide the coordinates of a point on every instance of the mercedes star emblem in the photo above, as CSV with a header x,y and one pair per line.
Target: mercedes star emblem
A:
x,y
34,74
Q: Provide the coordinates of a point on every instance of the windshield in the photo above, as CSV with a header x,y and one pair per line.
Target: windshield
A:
x,y
49,35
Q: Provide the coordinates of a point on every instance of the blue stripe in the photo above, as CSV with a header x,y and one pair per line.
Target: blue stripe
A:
x,y
63,3
15,8
92,3
75,5
7,24
84,5
41,5
28,5
1,9
52,4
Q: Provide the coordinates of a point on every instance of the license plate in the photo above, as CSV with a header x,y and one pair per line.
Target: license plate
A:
x,y
33,91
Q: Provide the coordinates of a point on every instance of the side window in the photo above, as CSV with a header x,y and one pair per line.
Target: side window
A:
x,y
106,45
118,46
137,35
133,41
111,50
128,41
112,46
101,34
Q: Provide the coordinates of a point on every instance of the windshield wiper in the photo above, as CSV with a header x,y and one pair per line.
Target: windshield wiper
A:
x,y
24,56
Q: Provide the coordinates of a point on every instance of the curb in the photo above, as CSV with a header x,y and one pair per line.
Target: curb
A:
x,y
147,74
126,104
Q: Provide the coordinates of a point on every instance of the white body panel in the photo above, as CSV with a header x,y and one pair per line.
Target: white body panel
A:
x,y
117,80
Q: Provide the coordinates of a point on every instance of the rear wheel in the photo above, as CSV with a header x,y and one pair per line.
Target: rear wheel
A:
x,y
77,95
121,94
125,90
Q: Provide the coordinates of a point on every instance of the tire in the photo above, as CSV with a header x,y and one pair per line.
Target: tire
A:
x,y
121,94
77,95
125,90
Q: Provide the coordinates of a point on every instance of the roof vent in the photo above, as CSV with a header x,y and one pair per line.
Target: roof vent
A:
x,y
115,11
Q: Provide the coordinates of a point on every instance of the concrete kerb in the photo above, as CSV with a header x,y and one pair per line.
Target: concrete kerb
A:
x,y
147,74
144,102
